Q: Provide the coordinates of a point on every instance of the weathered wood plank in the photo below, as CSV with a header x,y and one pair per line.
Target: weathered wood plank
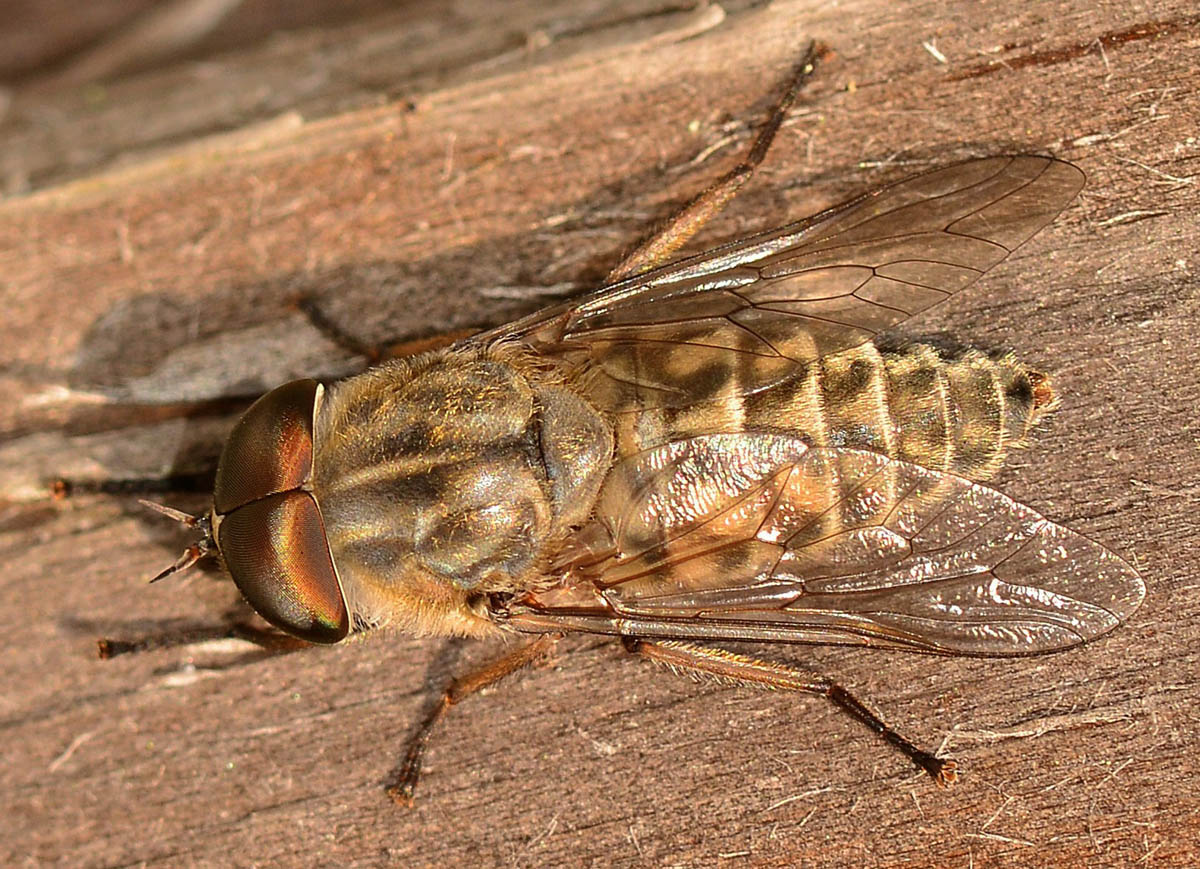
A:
x,y
474,191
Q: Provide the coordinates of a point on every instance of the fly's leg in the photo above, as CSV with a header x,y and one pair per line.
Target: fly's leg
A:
x,y
270,641
374,354
62,488
701,661
415,346
689,219
405,783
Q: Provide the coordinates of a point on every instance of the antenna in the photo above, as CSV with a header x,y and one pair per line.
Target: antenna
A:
x,y
193,553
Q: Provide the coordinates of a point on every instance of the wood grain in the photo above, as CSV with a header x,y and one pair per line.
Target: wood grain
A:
x,y
152,259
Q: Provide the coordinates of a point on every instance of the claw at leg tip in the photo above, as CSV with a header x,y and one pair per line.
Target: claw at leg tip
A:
x,y
401,795
947,774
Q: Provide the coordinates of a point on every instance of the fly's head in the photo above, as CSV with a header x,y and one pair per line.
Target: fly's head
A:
x,y
408,495
265,523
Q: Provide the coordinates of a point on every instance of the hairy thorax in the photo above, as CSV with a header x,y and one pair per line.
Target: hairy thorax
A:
x,y
447,477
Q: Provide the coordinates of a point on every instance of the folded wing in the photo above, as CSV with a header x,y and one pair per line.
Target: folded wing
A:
x,y
752,314
759,537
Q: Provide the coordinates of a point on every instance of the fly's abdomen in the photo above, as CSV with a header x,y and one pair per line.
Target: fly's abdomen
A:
x,y
960,414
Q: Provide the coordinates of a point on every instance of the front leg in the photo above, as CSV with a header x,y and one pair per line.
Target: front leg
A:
x,y
401,790
689,219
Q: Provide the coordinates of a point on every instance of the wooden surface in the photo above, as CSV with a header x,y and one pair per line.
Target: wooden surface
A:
x,y
425,170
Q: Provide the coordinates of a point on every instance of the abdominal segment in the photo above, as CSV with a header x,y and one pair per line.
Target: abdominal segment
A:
x,y
958,413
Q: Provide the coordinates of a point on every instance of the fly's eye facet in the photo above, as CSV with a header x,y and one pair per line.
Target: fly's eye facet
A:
x,y
270,450
268,529
276,551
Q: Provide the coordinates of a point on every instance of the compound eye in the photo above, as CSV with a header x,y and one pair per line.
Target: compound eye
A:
x,y
275,549
270,449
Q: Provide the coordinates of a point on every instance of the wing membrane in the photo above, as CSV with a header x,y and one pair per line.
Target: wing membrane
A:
x,y
757,312
759,537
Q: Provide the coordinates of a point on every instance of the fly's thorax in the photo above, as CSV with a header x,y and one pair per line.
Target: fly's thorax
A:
x,y
446,477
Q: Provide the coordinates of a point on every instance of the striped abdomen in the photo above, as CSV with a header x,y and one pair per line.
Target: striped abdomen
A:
x,y
957,414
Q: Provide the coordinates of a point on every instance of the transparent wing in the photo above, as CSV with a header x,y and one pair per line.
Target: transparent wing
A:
x,y
756,312
757,537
